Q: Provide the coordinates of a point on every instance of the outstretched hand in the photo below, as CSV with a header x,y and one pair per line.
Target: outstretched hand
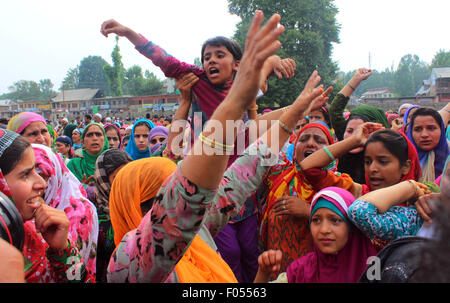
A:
x,y
113,27
313,95
285,68
261,42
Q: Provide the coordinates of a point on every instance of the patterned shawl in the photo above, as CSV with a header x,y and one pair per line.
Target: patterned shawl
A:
x,y
66,193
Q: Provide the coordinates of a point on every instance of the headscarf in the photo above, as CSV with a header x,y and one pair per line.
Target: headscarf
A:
x,y
64,139
405,117
80,131
105,165
117,129
404,105
140,181
7,137
19,122
287,178
69,129
392,117
347,265
52,133
86,165
433,161
66,193
157,131
374,114
132,148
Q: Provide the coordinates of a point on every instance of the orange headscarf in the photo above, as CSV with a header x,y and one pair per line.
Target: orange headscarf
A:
x,y
139,181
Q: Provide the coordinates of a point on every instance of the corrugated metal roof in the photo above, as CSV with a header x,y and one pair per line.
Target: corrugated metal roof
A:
x,y
442,72
76,95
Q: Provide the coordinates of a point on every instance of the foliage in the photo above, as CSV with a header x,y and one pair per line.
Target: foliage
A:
x,y
92,75
441,59
114,73
310,28
25,90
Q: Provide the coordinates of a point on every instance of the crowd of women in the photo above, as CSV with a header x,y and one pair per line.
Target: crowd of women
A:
x,y
118,203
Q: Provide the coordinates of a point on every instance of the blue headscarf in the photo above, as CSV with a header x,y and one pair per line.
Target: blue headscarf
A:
x,y
132,148
441,151
405,117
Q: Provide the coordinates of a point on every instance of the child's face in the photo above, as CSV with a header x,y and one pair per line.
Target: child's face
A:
x,y
329,231
219,64
382,167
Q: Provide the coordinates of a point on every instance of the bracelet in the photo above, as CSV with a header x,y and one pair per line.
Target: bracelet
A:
x,y
327,151
416,188
351,86
216,145
285,128
285,109
254,108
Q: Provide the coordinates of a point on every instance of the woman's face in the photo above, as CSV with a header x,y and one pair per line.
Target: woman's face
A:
x,y
316,116
350,130
26,185
122,132
156,139
300,124
329,231
426,132
62,148
37,132
141,133
76,136
93,140
113,138
382,167
310,140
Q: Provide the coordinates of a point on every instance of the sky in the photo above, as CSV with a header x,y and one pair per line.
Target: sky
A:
x,y
42,39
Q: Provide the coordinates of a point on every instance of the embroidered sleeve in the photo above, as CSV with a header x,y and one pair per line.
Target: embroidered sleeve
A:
x,y
397,222
240,180
68,265
150,252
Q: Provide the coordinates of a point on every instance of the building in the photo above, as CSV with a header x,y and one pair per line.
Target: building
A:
x,y
437,86
75,102
377,93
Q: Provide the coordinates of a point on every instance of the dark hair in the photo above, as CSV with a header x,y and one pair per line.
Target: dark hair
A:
x,y
232,46
426,111
143,123
393,141
112,127
88,116
13,154
326,115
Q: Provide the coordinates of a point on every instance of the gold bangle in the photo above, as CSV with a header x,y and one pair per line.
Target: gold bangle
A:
x,y
285,109
254,108
284,127
215,144
415,186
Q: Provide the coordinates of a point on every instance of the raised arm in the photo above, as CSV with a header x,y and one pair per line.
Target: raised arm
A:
x,y
340,101
206,170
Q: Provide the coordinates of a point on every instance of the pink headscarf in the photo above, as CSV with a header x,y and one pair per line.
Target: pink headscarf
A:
x,y
20,121
346,266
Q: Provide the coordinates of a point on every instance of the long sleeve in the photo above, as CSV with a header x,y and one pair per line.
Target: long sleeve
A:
x,y
337,114
397,222
68,265
240,181
170,66
150,252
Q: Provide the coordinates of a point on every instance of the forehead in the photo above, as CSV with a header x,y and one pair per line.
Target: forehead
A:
x,y
377,149
37,125
425,120
94,129
111,131
141,129
354,123
316,113
210,49
315,132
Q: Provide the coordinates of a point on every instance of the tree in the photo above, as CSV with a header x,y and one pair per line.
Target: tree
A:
x,y
310,28
409,76
152,85
114,73
92,75
441,59
24,90
46,88
72,79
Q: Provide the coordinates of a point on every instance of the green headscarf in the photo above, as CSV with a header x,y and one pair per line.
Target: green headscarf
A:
x,y
374,114
86,165
69,129
52,133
